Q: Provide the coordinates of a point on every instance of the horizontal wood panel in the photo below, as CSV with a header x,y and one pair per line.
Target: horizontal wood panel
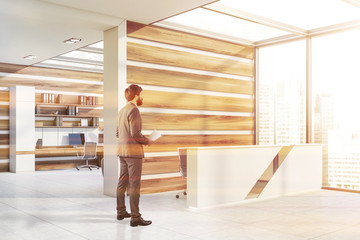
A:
x,y
56,165
62,151
91,112
157,99
73,123
4,124
157,165
24,152
4,167
162,185
4,139
44,123
4,96
169,121
4,110
52,85
150,54
4,153
166,78
170,143
159,34
50,72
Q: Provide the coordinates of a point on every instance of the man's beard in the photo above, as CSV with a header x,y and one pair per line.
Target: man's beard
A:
x,y
139,102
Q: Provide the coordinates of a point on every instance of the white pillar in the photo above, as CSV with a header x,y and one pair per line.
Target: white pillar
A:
x,y
114,86
22,129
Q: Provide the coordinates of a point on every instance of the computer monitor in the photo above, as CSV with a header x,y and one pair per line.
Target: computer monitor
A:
x,y
76,139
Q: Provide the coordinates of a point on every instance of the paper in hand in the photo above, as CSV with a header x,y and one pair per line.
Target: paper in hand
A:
x,y
154,135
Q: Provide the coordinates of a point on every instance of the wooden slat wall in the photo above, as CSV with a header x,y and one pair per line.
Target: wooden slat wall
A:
x,y
4,153
175,100
4,96
4,124
170,57
158,34
4,127
170,143
52,165
168,121
168,109
155,165
162,185
4,110
160,77
47,79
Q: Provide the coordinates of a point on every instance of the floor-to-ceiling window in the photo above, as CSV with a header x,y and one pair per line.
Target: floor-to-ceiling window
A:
x,y
282,94
336,115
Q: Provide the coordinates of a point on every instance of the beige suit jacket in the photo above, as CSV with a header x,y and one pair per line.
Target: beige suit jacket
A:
x,y
130,138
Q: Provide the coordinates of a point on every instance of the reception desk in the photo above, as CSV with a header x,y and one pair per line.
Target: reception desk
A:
x,y
225,175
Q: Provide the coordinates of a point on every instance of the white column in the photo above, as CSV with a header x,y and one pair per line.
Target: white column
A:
x,y
22,129
114,86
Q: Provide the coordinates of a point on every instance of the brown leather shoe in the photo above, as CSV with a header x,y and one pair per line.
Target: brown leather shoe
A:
x,y
140,222
122,216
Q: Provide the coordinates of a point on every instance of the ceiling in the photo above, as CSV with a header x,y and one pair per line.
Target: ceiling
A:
x,y
39,27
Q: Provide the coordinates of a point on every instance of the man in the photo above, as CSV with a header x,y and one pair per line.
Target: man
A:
x,y
131,153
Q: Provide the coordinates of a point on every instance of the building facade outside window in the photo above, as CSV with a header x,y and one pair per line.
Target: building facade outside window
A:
x,y
282,94
336,117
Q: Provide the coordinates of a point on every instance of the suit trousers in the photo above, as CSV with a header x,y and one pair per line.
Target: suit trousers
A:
x,y
130,177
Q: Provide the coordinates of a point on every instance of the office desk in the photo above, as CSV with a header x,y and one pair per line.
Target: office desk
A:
x,y
61,157
225,175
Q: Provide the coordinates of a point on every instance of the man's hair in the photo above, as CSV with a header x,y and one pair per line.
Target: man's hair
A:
x,y
131,91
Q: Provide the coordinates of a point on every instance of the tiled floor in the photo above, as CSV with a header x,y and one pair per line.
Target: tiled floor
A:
x,y
61,205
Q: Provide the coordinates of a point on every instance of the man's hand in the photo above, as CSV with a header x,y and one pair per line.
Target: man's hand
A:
x,y
150,142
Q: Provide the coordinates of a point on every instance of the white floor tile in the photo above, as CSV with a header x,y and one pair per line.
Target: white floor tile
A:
x,y
71,205
351,233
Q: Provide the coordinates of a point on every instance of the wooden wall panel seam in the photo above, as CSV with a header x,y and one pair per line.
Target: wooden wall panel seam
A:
x,y
170,143
167,78
175,100
187,70
166,121
187,49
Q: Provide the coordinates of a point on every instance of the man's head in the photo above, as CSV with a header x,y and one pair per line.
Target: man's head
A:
x,y
133,93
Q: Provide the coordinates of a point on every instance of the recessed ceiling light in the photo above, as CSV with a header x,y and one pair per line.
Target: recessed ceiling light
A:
x,y
72,40
29,57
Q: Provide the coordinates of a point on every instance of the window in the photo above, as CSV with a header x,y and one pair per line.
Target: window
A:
x,y
336,116
282,94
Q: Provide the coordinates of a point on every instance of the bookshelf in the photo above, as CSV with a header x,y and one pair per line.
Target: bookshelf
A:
x,y
64,111
57,115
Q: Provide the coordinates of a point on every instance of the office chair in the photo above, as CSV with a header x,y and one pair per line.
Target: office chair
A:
x,y
88,154
183,165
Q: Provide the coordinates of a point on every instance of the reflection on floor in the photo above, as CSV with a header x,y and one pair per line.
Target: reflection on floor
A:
x,y
70,205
